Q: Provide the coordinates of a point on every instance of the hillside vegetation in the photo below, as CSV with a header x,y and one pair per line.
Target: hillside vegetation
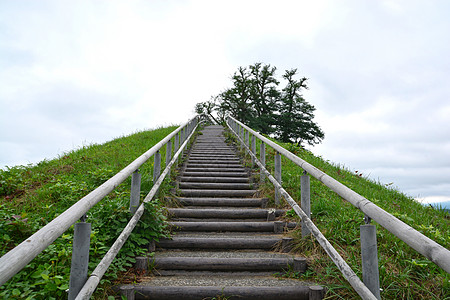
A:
x,y
404,273
31,196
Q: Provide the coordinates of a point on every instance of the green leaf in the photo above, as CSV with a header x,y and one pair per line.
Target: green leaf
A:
x,y
63,287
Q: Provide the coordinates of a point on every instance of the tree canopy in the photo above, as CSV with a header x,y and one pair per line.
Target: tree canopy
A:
x,y
256,100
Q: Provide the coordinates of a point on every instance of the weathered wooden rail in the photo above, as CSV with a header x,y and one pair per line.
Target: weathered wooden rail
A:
x,y
370,288
16,259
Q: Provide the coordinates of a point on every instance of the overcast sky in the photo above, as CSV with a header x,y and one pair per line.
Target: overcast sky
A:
x,y
74,73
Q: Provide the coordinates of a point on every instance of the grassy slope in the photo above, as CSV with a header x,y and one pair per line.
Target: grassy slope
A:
x,y
404,274
31,196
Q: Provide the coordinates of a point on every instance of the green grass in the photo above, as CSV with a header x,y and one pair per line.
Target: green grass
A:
x,y
33,195
404,273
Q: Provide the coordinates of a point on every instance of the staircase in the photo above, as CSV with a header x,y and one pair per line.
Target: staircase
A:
x,y
226,244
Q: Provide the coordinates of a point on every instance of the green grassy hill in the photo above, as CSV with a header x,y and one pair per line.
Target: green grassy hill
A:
x,y
33,195
404,273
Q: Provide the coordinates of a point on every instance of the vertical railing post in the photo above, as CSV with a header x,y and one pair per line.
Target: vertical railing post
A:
x,y
305,196
247,138
135,192
176,142
157,166
262,159
253,149
277,176
241,135
183,139
168,154
369,257
80,257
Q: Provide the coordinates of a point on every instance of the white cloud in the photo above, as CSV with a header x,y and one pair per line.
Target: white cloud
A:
x,y
83,71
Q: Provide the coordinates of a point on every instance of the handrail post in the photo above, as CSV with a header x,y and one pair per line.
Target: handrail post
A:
x,y
80,257
262,159
305,195
253,149
369,257
241,134
247,138
277,176
157,166
182,138
176,143
135,191
168,153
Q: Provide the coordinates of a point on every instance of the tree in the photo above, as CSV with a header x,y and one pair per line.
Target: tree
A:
x,y
256,101
295,122
265,96
206,108
236,100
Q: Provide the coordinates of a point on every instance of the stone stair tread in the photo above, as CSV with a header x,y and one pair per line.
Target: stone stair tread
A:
x,y
216,193
215,185
224,226
221,210
217,220
201,159
228,235
213,273
213,165
222,280
206,286
215,174
213,179
208,241
223,202
223,254
227,264
216,169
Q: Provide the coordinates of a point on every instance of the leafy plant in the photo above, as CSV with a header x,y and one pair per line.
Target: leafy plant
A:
x,y
34,195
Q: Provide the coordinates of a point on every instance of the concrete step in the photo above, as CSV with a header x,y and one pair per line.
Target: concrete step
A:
x,y
213,165
206,153
224,202
214,160
214,185
214,174
227,226
212,147
297,292
207,161
221,242
216,169
213,179
216,193
212,155
223,254
184,219
214,264
229,213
